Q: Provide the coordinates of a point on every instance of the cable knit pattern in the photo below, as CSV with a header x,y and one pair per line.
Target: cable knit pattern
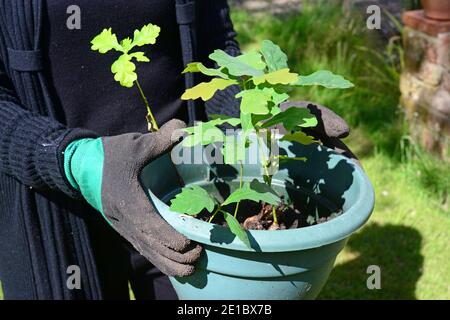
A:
x,y
31,147
224,102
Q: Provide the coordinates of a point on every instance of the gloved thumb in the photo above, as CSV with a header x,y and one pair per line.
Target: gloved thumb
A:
x,y
162,141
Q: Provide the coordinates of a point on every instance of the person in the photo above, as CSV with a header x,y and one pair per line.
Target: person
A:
x,y
73,142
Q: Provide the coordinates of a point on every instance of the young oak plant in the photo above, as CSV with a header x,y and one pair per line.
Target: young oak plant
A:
x,y
123,68
264,79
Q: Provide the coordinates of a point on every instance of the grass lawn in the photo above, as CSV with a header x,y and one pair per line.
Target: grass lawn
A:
x,y
407,236
409,233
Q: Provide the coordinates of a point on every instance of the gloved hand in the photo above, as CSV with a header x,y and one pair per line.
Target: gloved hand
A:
x,y
330,129
106,171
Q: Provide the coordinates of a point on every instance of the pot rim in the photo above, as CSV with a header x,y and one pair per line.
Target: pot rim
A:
x,y
305,238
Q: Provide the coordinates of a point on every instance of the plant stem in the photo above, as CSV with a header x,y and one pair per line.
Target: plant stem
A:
x,y
265,166
264,160
274,214
241,183
219,208
153,126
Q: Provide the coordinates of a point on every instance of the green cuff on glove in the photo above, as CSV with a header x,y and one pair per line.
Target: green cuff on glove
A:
x,y
83,166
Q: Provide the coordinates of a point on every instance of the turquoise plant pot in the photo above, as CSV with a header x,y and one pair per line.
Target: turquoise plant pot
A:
x,y
287,264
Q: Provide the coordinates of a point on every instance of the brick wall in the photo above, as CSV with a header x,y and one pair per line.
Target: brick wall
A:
x,y
425,82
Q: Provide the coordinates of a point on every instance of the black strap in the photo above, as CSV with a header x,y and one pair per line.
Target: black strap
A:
x,y
23,60
185,11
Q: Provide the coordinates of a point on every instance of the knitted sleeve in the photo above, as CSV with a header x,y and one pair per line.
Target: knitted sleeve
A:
x,y
216,31
32,146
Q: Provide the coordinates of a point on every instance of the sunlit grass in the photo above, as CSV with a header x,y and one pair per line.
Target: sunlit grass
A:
x,y
407,236
409,232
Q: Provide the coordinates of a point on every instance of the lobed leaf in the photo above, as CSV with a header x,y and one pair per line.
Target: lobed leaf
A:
x,y
247,193
325,79
205,133
220,119
105,42
206,90
253,59
292,118
275,58
262,187
283,76
254,101
140,56
192,200
278,98
235,66
126,44
299,137
147,35
199,67
124,71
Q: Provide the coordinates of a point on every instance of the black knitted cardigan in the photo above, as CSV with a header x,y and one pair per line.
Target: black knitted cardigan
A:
x,y
41,230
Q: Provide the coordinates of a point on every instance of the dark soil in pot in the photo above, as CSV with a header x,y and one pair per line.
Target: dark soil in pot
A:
x,y
290,214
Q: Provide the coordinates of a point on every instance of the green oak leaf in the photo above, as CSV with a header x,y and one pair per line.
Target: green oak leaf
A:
x,y
254,101
275,58
247,193
147,35
246,124
253,59
124,71
292,118
299,137
105,42
262,187
199,67
234,146
276,110
220,119
278,98
126,44
205,133
206,90
236,228
139,56
235,66
325,79
192,200
310,122
283,76
233,149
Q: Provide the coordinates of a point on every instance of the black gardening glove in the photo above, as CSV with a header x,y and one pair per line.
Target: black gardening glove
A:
x,y
330,130
106,171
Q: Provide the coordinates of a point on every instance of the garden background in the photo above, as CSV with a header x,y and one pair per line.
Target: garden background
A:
x,y
408,235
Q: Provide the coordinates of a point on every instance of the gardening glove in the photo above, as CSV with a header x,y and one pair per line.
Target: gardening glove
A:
x,y
330,130
106,171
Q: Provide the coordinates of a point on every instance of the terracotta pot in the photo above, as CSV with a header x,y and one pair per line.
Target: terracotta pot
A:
x,y
437,9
